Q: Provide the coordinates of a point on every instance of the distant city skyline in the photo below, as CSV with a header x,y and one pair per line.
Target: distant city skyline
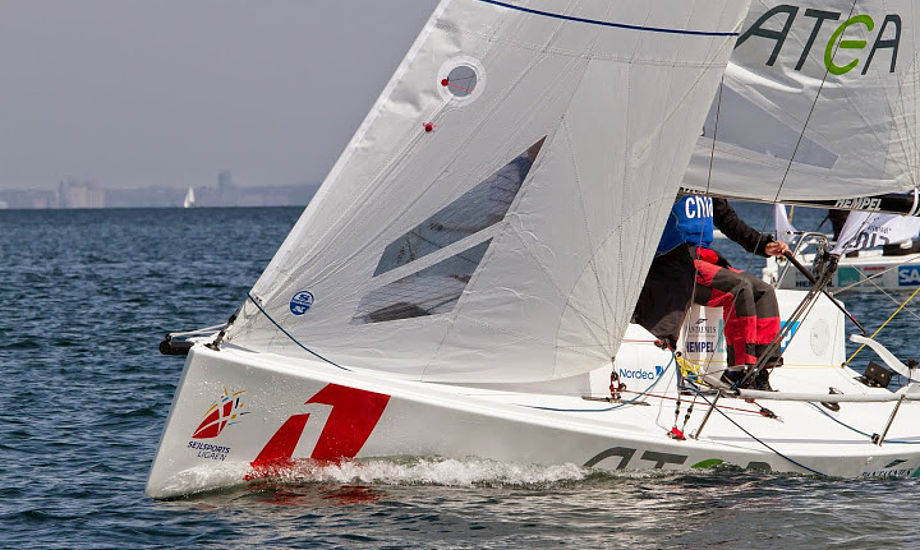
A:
x,y
169,93
72,193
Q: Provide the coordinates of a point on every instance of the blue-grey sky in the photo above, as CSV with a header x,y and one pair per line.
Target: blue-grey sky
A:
x,y
132,93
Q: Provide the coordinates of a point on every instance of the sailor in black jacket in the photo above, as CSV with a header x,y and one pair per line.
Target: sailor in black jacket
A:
x,y
685,268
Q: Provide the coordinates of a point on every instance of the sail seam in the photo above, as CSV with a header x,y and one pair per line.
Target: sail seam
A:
x,y
602,339
624,26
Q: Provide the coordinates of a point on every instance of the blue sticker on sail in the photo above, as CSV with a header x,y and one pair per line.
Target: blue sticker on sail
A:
x,y
301,302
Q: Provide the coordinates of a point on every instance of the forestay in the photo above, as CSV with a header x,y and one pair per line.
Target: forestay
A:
x,y
494,216
819,101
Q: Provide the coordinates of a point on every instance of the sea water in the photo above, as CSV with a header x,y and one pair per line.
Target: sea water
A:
x,y
85,297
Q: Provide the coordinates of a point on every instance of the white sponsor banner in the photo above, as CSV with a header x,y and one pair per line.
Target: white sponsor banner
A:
x,y
865,230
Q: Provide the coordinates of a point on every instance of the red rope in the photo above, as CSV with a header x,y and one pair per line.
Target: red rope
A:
x,y
758,413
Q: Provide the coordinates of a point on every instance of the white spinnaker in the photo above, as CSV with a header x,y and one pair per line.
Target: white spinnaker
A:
x,y
413,269
861,135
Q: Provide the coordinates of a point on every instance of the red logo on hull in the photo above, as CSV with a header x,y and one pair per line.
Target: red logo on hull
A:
x,y
354,415
221,414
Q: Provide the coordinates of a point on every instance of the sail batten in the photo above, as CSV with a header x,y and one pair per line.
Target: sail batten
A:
x,y
490,220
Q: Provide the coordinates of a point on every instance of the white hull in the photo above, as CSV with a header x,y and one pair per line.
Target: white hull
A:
x,y
887,272
301,409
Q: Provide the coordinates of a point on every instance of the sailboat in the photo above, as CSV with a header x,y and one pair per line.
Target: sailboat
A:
x,y
463,282
189,201
878,252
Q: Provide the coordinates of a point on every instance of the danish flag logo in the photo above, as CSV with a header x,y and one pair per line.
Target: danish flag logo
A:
x,y
222,413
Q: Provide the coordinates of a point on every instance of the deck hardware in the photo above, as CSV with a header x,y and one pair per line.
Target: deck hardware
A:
x,y
881,438
876,375
712,407
832,406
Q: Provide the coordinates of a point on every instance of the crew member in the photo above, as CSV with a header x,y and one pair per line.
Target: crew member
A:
x,y
685,268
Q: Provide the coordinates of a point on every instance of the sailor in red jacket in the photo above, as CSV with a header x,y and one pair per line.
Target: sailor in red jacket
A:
x,y
685,268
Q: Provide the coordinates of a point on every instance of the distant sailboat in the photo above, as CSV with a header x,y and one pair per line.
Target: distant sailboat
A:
x,y
887,259
189,198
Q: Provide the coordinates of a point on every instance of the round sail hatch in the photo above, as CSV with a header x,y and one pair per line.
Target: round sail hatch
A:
x,y
461,79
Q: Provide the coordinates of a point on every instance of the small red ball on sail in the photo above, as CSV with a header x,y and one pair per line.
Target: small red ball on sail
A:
x,y
428,126
445,82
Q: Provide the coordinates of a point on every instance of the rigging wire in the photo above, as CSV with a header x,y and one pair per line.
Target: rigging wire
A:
x,y
712,155
907,301
888,295
291,336
617,406
860,432
869,279
811,111
758,440
204,330
662,397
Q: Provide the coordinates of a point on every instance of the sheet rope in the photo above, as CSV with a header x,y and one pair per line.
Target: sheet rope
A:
x,y
618,405
757,439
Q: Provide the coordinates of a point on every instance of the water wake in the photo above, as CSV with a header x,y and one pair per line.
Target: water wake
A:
x,y
432,471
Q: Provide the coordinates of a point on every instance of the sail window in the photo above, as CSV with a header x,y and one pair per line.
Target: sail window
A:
x,y
461,81
772,138
482,206
433,290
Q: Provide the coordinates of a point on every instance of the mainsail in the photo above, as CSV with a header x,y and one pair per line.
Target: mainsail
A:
x,y
494,216
819,101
